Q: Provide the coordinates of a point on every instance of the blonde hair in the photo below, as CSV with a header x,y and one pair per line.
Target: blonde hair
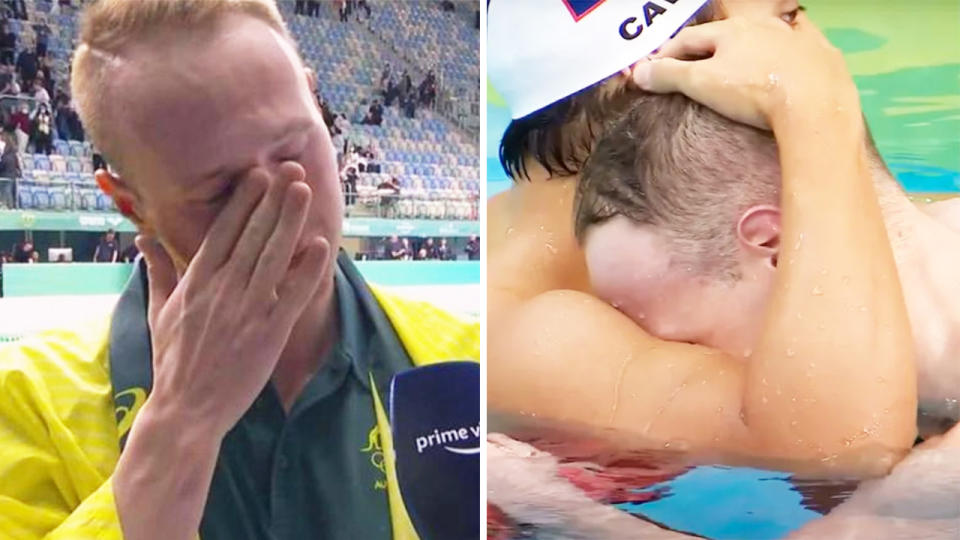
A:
x,y
108,27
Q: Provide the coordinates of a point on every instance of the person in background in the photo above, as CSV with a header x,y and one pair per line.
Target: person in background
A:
x,y
384,78
407,251
350,178
61,258
9,167
27,67
443,251
431,248
43,38
397,248
43,129
22,251
422,255
8,44
363,4
360,112
21,126
300,8
107,250
34,257
128,255
40,92
473,248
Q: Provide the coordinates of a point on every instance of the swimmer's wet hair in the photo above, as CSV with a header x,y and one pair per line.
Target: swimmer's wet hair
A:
x,y
108,27
560,136
674,164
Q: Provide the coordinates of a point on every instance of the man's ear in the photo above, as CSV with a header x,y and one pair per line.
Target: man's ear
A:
x,y
311,79
759,232
124,197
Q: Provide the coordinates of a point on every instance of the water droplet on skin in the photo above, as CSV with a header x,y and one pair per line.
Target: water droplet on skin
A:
x,y
886,411
743,416
641,316
509,231
817,291
747,354
719,409
551,248
863,309
881,380
824,272
779,391
793,399
666,445
763,400
791,353
793,423
796,247
763,381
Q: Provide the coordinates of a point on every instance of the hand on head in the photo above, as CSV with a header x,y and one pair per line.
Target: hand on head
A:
x,y
723,65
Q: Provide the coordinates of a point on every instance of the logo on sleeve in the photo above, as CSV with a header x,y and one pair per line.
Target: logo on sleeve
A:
x,y
581,8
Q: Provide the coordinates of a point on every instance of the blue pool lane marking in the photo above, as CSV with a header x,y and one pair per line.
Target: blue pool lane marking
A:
x,y
726,503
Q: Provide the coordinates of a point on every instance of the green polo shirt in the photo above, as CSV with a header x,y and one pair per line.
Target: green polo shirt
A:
x,y
318,471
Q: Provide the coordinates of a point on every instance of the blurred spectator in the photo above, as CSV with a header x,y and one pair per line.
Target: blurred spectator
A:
x,y
130,253
27,67
299,8
431,248
344,11
374,114
22,251
43,129
410,105
313,8
16,8
350,178
9,167
8,44
43,38
447,5
40,93
21,124
422,255
473,248
34,257
362,4
341,123
10,87
443,251
392,93
406,84
407,253
428,89
107,250
61,258
397,248
46,71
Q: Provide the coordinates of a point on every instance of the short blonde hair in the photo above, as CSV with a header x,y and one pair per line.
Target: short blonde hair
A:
x,y
109,26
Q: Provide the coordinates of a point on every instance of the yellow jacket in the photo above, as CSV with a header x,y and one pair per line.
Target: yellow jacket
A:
x,y
59,433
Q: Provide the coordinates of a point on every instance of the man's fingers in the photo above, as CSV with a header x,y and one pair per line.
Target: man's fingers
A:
x,y
262,223
276,256
160,273
665,76
303,277
693,42
229,224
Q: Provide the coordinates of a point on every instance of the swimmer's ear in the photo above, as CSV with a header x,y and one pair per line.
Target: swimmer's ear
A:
x,y
759,232
124,198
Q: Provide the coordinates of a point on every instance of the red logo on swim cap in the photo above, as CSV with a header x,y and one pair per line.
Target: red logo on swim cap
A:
x,y
581,8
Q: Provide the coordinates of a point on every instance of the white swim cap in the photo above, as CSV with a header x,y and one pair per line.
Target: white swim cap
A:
x,y
541,51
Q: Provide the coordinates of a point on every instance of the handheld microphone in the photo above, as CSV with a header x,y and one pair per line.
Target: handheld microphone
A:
x,y
435,417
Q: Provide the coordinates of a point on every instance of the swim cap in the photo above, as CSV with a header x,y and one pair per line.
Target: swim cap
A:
x,y
541,51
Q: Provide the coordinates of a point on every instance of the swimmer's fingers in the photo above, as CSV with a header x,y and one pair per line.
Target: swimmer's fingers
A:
x,y
703,81
694,42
